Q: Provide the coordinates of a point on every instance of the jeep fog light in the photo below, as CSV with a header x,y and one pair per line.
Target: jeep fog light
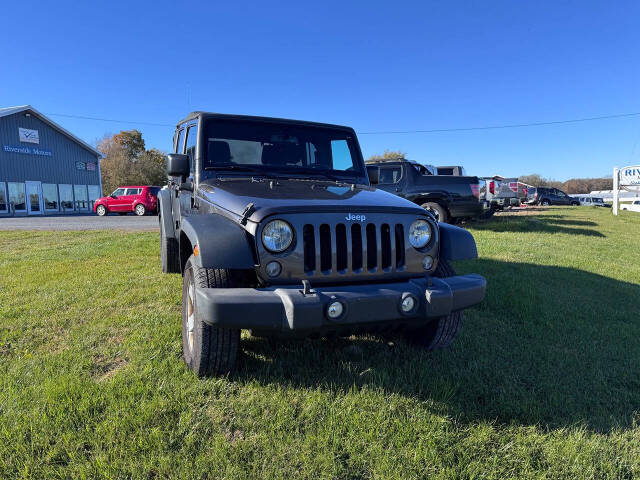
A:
x,y
408,303
277,236
419,233
335,309
427,262
273,269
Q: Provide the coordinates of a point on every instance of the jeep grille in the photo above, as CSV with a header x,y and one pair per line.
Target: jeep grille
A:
x,y
356,248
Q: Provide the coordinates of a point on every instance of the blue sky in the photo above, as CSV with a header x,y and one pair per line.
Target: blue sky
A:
x,y
376,66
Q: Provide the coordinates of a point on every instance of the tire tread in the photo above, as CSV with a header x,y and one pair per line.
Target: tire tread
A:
x,y
446,329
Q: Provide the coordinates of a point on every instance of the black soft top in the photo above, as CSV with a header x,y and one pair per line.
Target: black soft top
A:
x,y
225,116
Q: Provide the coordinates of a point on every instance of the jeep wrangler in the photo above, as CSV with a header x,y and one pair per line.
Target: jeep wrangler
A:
x,y
276,229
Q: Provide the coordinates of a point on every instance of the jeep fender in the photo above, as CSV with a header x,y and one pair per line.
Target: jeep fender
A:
x,y
456,243
164,212
221,242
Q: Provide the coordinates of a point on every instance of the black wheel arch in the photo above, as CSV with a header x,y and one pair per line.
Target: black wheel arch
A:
x,y
221,243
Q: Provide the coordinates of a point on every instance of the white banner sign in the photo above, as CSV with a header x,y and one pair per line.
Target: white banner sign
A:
x,y
29,136
630,177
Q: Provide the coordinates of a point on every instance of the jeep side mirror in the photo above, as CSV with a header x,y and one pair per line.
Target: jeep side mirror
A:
x,y
374,174
178,165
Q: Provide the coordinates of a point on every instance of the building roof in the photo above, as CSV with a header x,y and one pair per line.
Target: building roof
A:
x,y
24,108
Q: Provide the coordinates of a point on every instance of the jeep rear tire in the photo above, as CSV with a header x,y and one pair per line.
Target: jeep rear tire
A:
x,y
208,350
169,252
545,203
438,211
440,332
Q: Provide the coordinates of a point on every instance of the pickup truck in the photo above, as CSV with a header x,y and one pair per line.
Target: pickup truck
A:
x,y
632,207
447,197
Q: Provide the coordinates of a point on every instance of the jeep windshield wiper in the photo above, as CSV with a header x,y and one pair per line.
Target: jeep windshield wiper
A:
x,y
258,172
235,166
321,174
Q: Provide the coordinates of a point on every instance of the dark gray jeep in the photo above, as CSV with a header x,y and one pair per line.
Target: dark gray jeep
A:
x,y
276,229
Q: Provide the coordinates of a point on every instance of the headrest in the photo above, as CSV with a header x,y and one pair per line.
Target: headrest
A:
x,y
218,152
281,154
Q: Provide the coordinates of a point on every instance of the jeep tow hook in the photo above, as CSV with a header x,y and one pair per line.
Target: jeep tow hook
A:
x,y
306,288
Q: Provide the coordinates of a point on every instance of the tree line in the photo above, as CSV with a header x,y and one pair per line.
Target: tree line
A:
x,y
573,185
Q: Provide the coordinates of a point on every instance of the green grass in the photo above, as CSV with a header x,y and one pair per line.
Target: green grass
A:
x,y
543,382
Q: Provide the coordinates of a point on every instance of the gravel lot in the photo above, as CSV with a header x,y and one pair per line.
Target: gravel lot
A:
x,y
148,223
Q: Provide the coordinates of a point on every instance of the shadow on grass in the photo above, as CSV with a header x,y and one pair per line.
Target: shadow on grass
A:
x,y
539,223
557,350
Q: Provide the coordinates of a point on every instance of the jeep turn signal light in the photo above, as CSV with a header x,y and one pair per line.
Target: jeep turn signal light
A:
x,y
196,251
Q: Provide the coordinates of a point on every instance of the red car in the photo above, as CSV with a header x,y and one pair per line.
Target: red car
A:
x,y
138,199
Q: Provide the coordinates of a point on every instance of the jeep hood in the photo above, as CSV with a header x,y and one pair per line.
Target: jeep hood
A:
x,y
290,196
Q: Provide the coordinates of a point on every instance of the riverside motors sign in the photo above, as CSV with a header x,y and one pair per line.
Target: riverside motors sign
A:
x,y
626,178
27,150
630,177
28,135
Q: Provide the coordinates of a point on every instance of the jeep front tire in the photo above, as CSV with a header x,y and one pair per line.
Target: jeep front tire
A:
x,y
208,350
439,332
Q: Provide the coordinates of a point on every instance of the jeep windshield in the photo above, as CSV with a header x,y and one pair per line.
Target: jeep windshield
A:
x,y
278,149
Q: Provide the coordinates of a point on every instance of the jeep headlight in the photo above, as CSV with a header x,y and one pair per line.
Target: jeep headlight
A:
x,y
419,233
277,236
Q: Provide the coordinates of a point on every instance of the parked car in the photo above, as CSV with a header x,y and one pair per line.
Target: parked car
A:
x,y
448,197
632,207
549,196
276,229
591,201
138,199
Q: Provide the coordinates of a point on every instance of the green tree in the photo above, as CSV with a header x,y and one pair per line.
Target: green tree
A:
x,y
389,155
131,141
126,162
534,180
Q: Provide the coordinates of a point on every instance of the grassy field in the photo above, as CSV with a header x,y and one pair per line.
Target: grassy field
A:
x,y
544,381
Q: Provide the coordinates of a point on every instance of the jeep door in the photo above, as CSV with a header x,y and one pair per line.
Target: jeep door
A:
x,y
186,144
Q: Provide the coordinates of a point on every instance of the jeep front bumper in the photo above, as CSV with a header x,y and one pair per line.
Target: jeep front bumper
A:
x,y
287,309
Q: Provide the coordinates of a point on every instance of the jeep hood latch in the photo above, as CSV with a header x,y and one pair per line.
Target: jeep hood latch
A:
x,y
246,212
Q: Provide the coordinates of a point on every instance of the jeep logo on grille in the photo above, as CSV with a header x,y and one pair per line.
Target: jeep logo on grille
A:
x,y
356,218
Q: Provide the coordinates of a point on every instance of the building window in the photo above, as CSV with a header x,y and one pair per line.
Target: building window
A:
x,y
94,194
17,197
82,201
66,197
50,194
3,198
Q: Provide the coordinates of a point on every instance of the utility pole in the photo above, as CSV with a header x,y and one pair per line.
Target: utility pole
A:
x,y
616,180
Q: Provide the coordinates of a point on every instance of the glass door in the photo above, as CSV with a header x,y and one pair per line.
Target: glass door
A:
x,y
34,198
